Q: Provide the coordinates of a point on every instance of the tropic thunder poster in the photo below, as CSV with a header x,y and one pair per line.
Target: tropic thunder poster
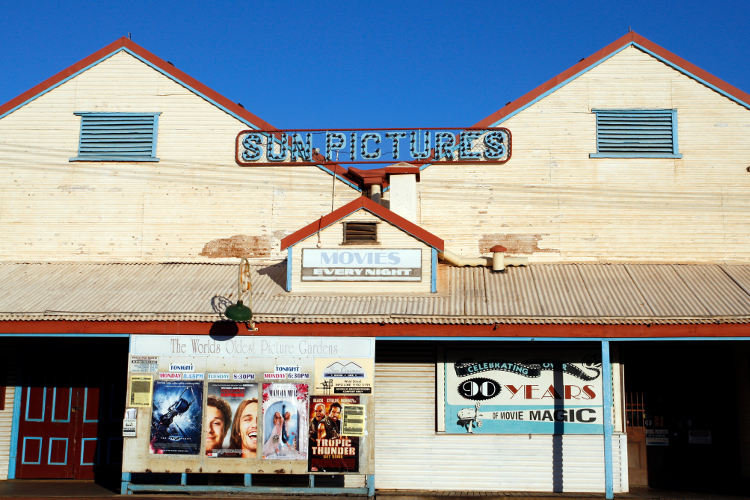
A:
x,y
330,451
231,420
284,421
176,417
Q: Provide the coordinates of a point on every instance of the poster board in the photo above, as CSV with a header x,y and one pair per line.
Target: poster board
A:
x,y
523,391
242,405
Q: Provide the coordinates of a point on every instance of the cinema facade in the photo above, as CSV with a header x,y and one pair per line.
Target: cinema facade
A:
x,y
555,299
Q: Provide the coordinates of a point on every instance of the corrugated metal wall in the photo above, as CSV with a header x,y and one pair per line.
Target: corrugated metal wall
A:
x,y
6,421
410,454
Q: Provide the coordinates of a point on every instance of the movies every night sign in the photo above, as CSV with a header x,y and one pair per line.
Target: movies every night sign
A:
x,y
323,264
510,394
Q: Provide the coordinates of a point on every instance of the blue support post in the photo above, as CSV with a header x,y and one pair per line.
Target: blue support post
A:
x,y
125,483
607,387
312,481
14,432
183,479
248,480
370,482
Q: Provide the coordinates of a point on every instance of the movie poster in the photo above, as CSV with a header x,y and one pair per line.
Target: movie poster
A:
x,y
231,420
330,451
176,417
284,421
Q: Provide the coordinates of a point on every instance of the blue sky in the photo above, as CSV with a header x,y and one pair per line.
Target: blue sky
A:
x,y
368,64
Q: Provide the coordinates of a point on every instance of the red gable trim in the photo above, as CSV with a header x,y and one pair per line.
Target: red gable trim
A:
x,y
607,51
364,203
180,76
125,43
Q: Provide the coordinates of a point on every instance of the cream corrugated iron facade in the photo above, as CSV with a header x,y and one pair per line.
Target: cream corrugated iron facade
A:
x,y
193,204
551,202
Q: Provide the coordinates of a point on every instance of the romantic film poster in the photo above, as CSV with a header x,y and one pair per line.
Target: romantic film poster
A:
x,y
176,417
231,420
330,451
284,421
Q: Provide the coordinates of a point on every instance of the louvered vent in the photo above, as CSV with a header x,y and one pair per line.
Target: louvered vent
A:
x,y
118,137
636,133
360,232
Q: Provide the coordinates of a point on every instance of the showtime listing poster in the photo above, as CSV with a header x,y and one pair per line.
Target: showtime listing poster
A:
x,y
330,451
231,420
285,421
176,417
516,394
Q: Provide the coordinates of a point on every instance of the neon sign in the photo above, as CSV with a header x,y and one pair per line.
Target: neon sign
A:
x,y
302,147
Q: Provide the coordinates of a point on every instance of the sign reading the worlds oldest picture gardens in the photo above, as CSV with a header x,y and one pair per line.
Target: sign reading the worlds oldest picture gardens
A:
x,y
333,264
359,146
523,394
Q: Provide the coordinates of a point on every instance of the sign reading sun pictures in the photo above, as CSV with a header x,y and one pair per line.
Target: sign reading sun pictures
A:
x,y
512,393
360,146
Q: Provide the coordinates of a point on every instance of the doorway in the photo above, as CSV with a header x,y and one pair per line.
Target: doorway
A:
x,y
71,407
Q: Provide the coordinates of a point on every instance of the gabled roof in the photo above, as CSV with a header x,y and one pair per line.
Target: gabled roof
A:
x,y
630,39
364,203
164,67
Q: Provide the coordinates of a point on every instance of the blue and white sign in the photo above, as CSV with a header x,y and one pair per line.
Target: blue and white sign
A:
x,y
508,393
333,264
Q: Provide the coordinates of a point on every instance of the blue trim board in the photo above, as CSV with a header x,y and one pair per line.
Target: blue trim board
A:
x,y
54,404
44,405
433,271
23,453
289,268
607,389
691,75
559,85
49,452
85,407
592,66
14,432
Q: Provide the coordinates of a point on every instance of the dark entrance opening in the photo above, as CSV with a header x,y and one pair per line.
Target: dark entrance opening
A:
x,y
72,398
687,397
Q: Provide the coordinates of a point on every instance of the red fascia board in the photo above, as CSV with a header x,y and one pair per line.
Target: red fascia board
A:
x,y
630,37
394,331
163,65
364,203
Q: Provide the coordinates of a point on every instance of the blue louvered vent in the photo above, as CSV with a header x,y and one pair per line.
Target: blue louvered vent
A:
x,y
636,133
118,137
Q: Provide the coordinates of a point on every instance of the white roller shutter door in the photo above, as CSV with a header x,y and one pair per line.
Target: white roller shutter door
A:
x,y
411,455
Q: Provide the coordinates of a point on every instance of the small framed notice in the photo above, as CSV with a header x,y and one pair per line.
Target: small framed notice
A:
x,y
140,390
353,420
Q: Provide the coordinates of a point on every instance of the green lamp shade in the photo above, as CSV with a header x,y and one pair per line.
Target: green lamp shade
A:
x,y
239,313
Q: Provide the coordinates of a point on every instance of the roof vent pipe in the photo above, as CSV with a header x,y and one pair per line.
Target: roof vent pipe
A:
x,y
499,260
376,193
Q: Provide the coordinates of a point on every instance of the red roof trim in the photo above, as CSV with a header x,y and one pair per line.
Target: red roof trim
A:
x,y
83,328
125,43
181,76
610,49
364,203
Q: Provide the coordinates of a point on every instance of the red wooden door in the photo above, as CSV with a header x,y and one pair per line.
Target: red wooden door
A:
x,y
58,432
72,404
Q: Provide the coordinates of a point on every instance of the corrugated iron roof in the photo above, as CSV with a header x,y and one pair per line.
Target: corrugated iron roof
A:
x,y
538,294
